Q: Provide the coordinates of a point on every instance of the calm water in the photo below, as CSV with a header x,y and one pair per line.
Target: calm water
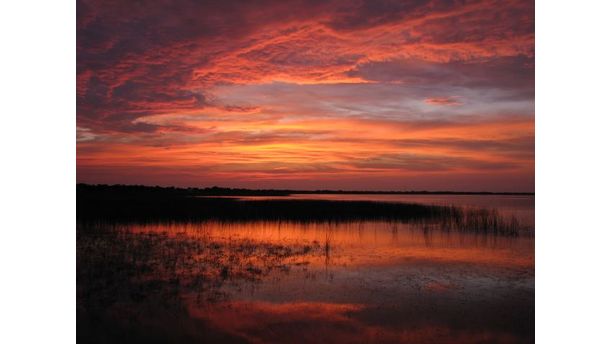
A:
x,y
520,206
285,282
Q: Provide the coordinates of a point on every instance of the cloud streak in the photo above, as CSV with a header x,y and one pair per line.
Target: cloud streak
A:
x,y
394,94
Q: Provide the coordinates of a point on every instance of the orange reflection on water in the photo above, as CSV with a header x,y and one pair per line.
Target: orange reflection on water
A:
x,y
348,282
365,243
319,322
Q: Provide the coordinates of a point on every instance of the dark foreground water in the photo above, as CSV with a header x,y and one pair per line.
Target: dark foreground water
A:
x,y
264,282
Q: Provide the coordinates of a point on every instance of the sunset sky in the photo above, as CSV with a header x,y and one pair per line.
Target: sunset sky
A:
x,y
367,95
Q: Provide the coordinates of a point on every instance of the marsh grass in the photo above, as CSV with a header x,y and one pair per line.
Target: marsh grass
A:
x,y
193,209
125,263
480,220
124,276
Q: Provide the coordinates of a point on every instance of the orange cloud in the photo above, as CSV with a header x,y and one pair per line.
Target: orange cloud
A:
x,y
293,92
444,101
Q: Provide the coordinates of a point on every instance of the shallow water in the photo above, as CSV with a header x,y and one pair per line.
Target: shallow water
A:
x,y
520,206
316,282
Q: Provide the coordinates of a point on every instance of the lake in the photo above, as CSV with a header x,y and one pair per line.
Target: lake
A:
x,y
520,206
280,281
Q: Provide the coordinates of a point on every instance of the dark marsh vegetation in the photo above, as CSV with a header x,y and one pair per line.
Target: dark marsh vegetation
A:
x,y
131,287
144,204
140,271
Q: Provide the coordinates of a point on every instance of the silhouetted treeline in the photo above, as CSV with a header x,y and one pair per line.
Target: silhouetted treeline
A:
x,y
128,190
100,190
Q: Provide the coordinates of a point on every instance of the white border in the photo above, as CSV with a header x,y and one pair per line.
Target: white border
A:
x,y
573,172
37,231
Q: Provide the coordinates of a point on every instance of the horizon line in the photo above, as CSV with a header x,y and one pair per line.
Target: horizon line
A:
x,y
297,191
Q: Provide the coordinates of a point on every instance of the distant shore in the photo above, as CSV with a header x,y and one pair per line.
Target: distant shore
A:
x,y
222,191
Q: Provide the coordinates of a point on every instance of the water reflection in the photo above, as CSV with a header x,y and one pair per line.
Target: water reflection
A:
x,y
307,282
520,206
359,243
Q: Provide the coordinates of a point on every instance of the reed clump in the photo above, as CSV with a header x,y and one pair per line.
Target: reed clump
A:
x,y
148,208
478,220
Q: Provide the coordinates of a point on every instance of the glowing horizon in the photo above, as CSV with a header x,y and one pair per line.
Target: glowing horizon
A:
x,y
386,95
